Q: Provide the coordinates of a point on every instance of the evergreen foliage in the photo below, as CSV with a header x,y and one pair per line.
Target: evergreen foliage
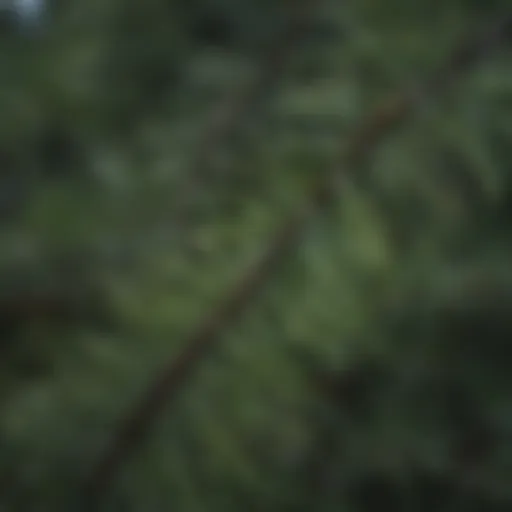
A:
x,y
148,153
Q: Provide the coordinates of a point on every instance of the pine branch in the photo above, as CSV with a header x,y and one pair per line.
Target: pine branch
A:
x,y
171,379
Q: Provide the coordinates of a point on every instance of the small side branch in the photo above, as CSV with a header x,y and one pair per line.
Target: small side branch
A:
x,y
236,110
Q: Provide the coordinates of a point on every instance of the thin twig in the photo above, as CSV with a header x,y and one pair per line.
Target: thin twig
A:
x,y
238,107
171,379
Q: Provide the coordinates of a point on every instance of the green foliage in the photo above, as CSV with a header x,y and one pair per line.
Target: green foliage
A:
x,y
373,370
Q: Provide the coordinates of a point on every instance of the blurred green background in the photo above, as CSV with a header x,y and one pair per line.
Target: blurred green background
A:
x,y
371,374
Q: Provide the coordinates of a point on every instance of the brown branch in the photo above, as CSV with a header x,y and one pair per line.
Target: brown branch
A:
x,y
58,306
171,379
